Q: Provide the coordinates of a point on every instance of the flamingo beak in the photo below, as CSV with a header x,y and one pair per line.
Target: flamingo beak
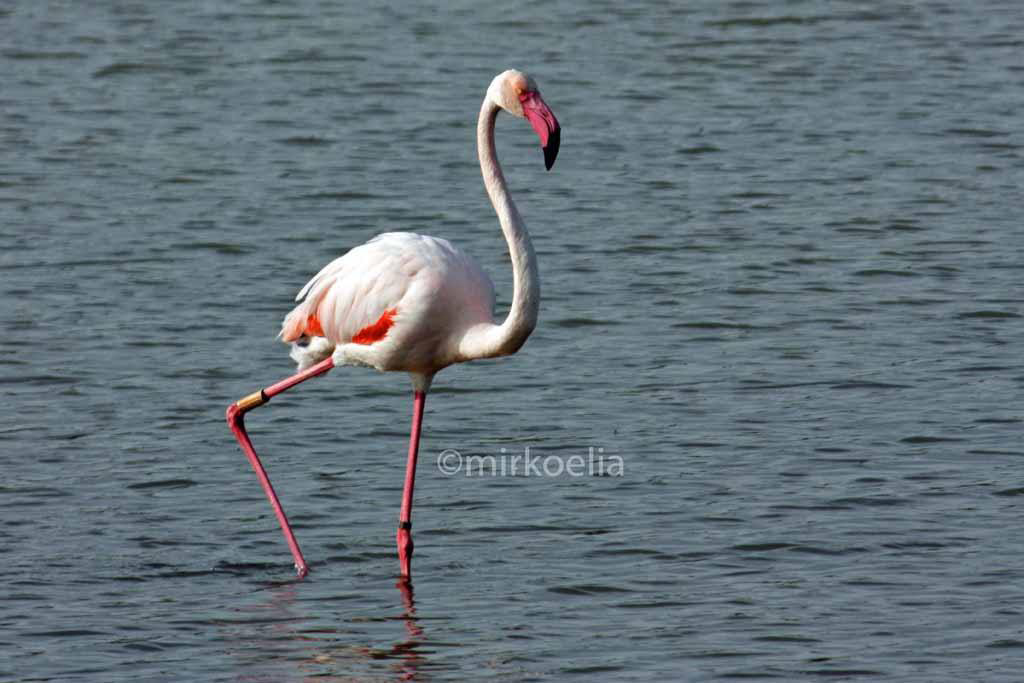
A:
x,y
544,122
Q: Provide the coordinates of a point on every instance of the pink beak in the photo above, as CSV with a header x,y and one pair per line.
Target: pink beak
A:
x,y
544,122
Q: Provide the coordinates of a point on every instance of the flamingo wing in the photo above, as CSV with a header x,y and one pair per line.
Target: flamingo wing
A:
x,y
356,297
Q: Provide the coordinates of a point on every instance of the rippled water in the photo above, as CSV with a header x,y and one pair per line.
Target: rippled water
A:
x,y
782,263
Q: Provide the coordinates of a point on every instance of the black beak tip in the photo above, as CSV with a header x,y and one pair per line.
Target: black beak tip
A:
x,y
551,149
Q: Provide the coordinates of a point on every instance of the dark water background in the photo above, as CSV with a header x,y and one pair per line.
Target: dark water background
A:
x,y
782,260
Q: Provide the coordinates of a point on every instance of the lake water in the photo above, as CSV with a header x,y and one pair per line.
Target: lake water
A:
x,y
781,256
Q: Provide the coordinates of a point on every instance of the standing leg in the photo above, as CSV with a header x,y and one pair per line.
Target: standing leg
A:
x,y
236,420
405,516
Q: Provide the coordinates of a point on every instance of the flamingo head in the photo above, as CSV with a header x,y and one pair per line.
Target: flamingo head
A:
x,y
517,93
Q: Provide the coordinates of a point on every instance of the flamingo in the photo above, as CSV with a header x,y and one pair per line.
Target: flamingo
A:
x,y
413,303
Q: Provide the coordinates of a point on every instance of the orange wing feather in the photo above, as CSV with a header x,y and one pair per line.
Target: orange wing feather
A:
x,y
376,331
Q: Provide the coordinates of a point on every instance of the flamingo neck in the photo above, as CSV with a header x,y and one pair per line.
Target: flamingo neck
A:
x,y
506,338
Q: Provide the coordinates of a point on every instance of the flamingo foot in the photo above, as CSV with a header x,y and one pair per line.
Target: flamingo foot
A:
x,y
405,547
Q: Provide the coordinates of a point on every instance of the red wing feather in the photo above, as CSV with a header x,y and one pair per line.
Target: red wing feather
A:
x,y
376,331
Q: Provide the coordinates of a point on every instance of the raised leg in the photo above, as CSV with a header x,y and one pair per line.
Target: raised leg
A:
x,y
236,420
404,538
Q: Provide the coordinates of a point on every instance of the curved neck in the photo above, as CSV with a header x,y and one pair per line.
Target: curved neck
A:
x,y
500,340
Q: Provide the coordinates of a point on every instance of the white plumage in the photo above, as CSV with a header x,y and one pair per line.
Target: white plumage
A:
x,y
436,293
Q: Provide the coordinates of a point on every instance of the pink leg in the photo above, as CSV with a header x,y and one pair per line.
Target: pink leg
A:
x,y
236,420
405,545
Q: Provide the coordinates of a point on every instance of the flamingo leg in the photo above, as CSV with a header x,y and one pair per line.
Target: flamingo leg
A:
x,y
236,421
404,537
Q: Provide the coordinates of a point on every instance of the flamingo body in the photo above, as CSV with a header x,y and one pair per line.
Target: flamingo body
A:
x,y
401,301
